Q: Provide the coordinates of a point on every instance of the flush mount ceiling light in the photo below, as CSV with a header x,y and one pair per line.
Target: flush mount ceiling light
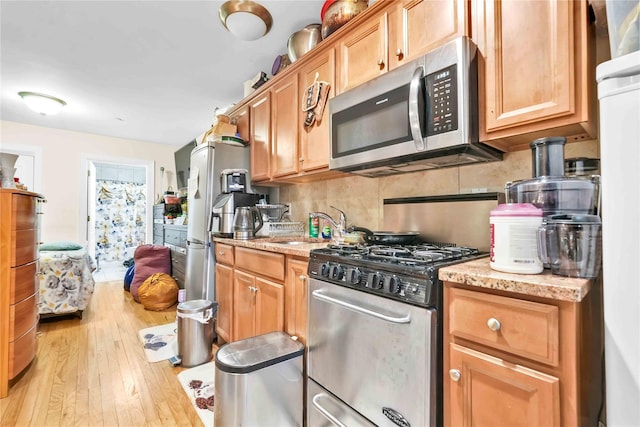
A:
x,y
42,104
245,19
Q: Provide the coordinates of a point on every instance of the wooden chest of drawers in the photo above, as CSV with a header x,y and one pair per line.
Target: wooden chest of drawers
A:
x,y
19,233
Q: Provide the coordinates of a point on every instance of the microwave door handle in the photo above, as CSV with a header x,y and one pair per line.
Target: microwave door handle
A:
x,y
414,114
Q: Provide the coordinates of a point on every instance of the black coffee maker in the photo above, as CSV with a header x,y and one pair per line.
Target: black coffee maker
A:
x,y
235,192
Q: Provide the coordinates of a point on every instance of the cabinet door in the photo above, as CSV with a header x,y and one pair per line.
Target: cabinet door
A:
x,y
224,294
535,74
486,391
269,306
314,140
260,112
362,53
296,299
417,26
244,301
284,127
242,118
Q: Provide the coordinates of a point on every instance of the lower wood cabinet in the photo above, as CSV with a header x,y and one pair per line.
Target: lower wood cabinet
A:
x,y
296,298
520,360
258,292
488,391
224,294
258,305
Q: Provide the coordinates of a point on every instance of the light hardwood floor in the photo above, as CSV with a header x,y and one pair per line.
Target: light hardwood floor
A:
x,y
93,371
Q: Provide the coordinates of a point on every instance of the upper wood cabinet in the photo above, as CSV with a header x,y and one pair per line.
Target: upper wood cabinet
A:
x,y
362,53
260,136
418,26
314,140
400,32
243,123
536,71
285,102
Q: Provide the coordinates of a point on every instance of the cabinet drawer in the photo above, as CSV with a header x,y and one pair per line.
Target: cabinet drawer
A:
x,y
175,237
23,282
24,213
22,316
263,263
523,328
224,253
22,351
25,246
158,211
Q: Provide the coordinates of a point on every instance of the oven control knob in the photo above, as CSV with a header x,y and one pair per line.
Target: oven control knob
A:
x,y
324,269
392,284
374,281
336,272
353,276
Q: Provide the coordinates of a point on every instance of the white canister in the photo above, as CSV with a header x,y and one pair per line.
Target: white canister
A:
x,y
514,233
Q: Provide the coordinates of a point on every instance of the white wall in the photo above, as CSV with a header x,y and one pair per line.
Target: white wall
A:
x,y
63,178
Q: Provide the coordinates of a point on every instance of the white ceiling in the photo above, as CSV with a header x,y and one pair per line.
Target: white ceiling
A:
x,y
144,70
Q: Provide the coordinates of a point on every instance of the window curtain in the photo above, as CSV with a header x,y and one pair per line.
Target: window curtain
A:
x,y
120,219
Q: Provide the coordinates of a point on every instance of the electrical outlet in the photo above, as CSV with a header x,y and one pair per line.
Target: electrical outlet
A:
x,y
289,210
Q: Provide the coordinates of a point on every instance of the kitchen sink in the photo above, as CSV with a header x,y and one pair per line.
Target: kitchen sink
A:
x,y
296,240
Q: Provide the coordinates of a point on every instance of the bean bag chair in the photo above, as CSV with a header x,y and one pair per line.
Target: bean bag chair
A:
x,y
158,292
149,259
128,277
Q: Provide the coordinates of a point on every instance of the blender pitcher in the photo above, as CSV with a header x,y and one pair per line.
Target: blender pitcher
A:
x,y
571,245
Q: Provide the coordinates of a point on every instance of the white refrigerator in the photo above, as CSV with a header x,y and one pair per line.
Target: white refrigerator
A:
x,y
207,161
619,95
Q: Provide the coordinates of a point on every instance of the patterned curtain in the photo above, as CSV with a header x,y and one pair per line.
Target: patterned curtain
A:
x,y
120,219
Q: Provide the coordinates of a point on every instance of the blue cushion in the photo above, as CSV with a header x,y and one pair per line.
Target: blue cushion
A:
x,y
60,246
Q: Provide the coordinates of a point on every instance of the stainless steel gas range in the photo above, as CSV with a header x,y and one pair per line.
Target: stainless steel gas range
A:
x,y
375,334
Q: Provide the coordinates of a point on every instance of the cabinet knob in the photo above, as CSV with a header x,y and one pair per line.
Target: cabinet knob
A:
x,y
494,324
302,277
399,53
381,63
455,374
220,253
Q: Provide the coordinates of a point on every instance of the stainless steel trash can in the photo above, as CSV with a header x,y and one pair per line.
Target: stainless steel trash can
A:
x,y
195,331
259,382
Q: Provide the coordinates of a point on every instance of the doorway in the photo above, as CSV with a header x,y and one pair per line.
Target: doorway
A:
x,y
118,210
28,166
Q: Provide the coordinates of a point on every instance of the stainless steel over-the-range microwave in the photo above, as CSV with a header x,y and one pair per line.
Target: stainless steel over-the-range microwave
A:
x,y
422,115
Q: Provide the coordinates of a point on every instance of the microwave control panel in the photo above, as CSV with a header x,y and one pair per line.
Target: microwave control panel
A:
x,y
442,87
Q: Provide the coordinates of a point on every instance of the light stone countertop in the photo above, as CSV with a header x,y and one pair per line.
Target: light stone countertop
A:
x,y
301,247
478,273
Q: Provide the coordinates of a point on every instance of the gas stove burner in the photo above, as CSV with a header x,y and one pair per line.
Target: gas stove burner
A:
x,y
354,251
389,251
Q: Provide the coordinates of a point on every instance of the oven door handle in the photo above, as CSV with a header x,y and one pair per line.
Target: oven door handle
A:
x,y
328,415
393,319
414,113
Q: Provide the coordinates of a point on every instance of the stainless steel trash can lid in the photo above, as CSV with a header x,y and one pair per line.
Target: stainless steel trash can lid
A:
x,y
194,306
252,354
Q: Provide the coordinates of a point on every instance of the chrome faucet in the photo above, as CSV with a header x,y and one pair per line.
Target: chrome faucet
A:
x,y
341,227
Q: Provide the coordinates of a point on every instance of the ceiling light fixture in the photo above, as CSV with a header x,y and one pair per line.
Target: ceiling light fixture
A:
x,y
42,104
245,19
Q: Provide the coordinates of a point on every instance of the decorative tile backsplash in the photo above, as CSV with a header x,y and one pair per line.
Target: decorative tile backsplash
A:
x,y
361,198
